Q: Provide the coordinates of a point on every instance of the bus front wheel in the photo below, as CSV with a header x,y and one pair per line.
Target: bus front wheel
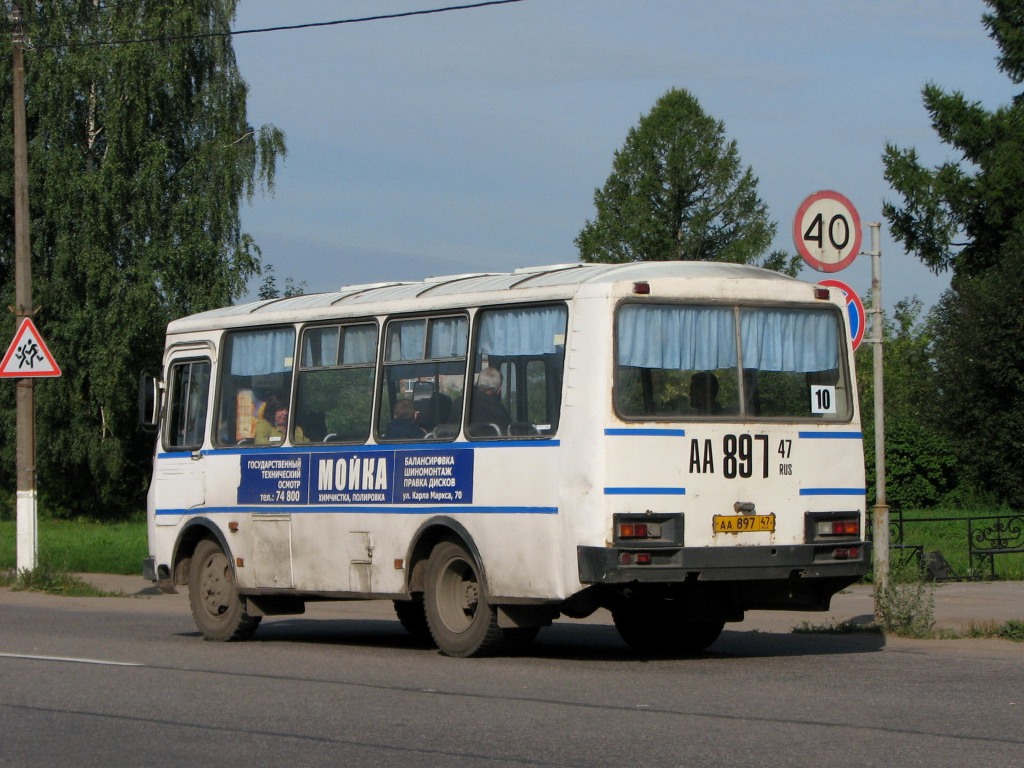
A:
x,y
461,620
217,608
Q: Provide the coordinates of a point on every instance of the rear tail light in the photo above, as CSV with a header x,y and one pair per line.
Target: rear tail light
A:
x,y
635,558
846,553
647,529
639,530
838,528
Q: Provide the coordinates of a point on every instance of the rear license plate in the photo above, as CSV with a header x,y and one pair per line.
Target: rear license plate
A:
x,y
744,523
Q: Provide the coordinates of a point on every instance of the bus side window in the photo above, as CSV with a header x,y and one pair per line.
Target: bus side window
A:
x,y
423,378
187,404
334,386
518,362
256,377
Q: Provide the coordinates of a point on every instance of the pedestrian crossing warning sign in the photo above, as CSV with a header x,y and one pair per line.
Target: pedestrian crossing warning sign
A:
x,y
28,355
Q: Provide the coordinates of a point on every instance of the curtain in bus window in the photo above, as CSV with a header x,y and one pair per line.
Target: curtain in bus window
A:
x,y
531,331
406,340
789,340
320,347
676,337
360,345
448,337
260,352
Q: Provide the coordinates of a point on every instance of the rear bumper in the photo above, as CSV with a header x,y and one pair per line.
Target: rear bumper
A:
x,y
725,582
604,565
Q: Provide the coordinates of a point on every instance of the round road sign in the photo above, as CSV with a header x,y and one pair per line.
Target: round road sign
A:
x,y
854,309
826,231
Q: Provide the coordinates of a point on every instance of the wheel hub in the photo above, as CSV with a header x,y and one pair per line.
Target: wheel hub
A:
x,y
470,597
213,587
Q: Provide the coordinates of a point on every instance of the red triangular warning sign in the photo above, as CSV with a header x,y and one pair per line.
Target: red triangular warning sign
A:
x,y
28,355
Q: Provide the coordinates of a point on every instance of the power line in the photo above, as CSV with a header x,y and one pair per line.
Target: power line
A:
x,y
285,28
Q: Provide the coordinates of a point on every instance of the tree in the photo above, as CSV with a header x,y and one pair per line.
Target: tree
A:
x,y
968,216
959,214
268,286
677,190
980,360
140,155
921,463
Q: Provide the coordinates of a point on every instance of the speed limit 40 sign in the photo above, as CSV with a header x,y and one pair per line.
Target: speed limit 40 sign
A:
x,y
826,231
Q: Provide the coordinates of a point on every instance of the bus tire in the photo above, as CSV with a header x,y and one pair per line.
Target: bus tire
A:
x,y
217,609
696,635
413,618
461,620
657,628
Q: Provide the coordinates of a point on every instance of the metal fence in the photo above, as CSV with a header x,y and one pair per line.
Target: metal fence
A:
x,y
984,538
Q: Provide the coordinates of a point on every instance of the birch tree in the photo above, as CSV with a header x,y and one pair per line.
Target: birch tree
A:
x,y
140,156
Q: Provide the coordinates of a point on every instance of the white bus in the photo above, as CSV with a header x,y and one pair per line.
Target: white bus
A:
x,y
676,442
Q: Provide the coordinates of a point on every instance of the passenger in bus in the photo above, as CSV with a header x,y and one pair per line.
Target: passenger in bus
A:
x,y
704,392
487,407
263,425
433,410
273,433
403,423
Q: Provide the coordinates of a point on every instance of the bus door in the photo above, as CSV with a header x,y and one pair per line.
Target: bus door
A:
x,y
180,476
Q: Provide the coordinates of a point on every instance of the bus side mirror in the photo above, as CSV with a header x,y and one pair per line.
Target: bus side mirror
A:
x,y
149,401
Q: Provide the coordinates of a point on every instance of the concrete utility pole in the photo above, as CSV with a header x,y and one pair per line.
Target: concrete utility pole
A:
x,y
27,535
880,511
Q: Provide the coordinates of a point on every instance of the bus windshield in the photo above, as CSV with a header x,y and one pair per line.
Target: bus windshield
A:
x,y
683,361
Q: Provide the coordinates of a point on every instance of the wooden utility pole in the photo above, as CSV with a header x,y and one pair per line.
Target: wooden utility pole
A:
x,y
27,535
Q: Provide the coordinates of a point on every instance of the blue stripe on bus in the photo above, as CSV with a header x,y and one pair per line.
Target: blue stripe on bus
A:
x,y
644,491
625,432
832,435
407,510
832,491
489,444
337,448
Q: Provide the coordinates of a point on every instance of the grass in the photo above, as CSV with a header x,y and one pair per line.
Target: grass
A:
x,y
905,607
1010,630
73,546
43,579
848,627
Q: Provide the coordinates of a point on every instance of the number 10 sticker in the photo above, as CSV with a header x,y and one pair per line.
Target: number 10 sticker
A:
x,y
823,399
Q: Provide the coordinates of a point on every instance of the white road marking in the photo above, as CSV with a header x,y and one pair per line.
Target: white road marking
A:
x,y
71,660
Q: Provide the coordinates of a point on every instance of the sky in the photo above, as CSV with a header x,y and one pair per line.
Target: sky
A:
x,y
473,140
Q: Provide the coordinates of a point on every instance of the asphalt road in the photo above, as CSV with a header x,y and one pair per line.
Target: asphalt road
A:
x,y
128,682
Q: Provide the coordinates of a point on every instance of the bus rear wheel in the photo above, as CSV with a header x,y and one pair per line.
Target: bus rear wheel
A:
x,y
217,608
461,620
661,628
413,618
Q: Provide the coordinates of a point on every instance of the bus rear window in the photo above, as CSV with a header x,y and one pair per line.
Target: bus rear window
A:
x,y
689,361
